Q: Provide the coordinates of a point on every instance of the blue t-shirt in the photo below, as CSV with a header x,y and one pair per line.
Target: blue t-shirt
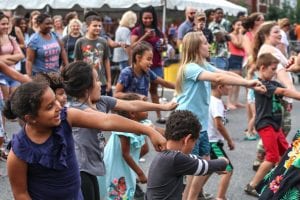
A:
x,y
47,53
184,28
195,95
132,83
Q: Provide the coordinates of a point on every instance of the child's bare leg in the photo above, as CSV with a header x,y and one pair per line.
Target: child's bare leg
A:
x,y
263,169
223,186
189,180
251,121
197,184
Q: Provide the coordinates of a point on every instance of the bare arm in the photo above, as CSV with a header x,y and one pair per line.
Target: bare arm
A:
x,y
30,56
108,74
63,53
221,128
17,54
237,40
125,146
13,73
288,93
247,45
112,122
17,173
135,39
164,83
20,37
284,78
137,106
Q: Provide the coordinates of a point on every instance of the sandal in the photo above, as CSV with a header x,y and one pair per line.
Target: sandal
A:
x,y
161,120
251,190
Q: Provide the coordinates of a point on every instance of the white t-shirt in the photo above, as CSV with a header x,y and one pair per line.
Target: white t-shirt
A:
x,y
216,109
284,40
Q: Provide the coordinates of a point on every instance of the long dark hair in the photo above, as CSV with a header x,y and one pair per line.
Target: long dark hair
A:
x,y
154,24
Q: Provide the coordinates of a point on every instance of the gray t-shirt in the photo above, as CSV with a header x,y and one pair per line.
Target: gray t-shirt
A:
x,y
122,35
165,178
94,52
89,143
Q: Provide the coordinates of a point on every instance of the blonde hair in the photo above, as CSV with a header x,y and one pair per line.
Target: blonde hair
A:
x,y
128,19
74,21
190,53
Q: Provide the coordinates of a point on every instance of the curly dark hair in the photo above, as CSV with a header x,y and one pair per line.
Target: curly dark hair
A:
x,y
180,124
52,78
77,78
25,100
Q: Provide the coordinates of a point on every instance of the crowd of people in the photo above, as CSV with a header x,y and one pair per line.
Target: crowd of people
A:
x,y
56,81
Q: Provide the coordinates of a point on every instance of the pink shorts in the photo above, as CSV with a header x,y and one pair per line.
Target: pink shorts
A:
x,y
274,143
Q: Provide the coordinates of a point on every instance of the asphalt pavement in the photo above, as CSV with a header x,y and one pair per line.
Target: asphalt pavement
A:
x,y
241,158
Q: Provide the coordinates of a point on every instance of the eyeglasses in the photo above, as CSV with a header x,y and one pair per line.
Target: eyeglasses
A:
x,y
192,13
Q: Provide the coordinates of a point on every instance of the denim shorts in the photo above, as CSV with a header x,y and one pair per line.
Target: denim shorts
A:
x,y
6,81
235,63
202,146
219,62
158,71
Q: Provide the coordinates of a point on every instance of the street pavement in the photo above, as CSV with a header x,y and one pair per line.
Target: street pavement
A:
x,y
241,158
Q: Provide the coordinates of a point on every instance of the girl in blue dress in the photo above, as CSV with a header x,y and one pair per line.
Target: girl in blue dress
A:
x,y
121,155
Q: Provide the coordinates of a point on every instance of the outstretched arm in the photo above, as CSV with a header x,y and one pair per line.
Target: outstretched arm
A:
x,y
112,122
137,106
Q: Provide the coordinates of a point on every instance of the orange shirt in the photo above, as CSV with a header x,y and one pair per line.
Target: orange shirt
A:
x,y
297,32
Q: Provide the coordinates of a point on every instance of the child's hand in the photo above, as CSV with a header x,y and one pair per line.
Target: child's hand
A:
x,y
231,145
158,141
257,86
142,178
169,106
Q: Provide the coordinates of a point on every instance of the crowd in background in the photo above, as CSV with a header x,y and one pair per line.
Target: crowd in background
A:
x,y
43,44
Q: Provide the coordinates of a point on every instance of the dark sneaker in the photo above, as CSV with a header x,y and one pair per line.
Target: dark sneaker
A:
x,y
251,190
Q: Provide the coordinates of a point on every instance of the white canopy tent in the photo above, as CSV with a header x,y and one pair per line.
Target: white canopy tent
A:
x,y
228,7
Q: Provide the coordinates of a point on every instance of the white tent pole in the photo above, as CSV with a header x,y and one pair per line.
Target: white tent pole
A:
x,y
164,3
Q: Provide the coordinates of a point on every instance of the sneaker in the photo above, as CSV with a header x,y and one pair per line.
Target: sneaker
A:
x,y
205,196
250,137
251,190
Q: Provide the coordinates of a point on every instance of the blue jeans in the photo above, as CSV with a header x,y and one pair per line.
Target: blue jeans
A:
x,y
220,62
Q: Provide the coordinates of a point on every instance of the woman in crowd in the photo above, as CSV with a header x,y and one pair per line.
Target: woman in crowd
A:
x,y
58,26
69,40
44,49
122,55
237,53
